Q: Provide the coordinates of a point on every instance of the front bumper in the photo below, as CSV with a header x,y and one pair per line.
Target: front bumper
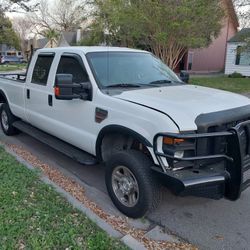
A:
x,y
212,176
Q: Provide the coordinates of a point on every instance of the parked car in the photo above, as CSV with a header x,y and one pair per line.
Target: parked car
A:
x,y
22,59
12,60
127,109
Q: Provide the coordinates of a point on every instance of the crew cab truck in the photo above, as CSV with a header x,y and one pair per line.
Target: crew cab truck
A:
x,y
126,108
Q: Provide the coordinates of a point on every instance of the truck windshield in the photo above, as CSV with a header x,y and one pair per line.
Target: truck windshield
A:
x,y
123,69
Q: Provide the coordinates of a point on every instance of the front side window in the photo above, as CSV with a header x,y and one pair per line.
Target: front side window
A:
x,y
73,65
111,68
41,69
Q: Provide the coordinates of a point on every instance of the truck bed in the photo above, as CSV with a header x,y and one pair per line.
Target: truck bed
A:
x,y
14,76
12,86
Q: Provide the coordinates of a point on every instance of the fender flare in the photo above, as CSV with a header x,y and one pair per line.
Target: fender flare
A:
x,y
3,98
121,130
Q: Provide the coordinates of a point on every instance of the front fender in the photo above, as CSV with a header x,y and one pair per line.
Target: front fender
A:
x,y
121,130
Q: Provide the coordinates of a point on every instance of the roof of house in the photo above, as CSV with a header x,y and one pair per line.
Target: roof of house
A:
x,y
62,42
240,36
41,43
69,36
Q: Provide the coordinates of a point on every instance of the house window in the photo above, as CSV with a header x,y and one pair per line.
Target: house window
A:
x,y
11,53
242,56
190,60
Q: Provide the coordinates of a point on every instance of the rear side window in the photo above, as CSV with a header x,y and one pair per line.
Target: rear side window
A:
x,y
41,69
71,65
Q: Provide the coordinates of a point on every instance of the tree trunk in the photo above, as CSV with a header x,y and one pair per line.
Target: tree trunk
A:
x,y
171,54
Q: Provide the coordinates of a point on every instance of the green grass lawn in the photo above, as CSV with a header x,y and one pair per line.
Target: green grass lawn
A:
x,y
237,85
34,216
12,67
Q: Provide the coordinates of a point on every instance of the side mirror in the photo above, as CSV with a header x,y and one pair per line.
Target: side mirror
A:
x,y
184,76
65,89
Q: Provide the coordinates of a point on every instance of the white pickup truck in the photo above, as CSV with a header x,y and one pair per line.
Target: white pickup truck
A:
x,y
126,108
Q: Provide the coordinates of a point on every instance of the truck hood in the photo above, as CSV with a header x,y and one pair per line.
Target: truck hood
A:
x,y
183,103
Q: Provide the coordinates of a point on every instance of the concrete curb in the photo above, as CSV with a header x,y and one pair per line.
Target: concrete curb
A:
x,y
132,242
126,239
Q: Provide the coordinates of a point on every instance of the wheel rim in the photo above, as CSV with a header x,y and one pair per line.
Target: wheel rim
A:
x,y
125,186
5,121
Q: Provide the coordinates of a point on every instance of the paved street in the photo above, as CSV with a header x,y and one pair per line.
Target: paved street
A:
x,y
206,223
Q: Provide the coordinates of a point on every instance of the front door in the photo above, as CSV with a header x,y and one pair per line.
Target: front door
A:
x,y
73,120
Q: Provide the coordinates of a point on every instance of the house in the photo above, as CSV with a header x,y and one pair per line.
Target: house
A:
x,y
212,59
65,39
238,56
34,44
68,38
6,50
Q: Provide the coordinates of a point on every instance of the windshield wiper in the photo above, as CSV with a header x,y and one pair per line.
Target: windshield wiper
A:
x,y
124,85
161,81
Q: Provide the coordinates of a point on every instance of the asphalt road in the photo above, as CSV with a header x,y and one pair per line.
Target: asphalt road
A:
x,y
206,223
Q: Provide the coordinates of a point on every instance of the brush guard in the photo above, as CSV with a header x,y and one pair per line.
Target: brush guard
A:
x,y
225,175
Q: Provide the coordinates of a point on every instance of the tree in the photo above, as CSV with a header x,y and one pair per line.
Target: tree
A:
x,y
51,35
243,9
17,5
64,15
23,28
68,14
41,20
7,33
168,28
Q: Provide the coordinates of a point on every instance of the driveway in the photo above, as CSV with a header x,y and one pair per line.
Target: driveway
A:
x,y
206,223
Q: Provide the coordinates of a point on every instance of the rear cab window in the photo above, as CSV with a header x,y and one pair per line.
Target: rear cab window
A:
x,y
42,68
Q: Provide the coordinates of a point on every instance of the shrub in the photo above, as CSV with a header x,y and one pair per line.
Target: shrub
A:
x,y
236,75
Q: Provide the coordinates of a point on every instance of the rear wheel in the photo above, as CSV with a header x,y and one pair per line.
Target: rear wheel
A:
x,y
131,184
7,119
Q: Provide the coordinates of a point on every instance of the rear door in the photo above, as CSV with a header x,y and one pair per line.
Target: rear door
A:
x,y
38,94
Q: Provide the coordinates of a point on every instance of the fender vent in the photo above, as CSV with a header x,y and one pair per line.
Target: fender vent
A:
x,y
100,115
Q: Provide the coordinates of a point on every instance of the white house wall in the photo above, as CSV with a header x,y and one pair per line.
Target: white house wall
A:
x,y
231,67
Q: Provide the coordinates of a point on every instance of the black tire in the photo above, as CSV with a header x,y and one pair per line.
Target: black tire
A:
x,y
149,189
9,129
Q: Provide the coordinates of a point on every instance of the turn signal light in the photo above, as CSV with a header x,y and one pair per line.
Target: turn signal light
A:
x,y
57,91
172,141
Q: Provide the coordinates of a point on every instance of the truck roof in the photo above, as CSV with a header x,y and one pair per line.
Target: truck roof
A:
x,y
87,49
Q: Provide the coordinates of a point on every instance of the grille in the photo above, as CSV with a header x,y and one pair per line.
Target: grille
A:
x,y
219,145
246,168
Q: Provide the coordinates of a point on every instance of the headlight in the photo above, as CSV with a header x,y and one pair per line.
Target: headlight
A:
x,y
179,154
178,148
172,141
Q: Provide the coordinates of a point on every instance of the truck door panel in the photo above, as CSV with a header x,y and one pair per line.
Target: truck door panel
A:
x,y
72,120
36,95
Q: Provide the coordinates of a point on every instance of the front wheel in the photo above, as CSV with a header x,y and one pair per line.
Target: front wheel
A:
x,y
131,184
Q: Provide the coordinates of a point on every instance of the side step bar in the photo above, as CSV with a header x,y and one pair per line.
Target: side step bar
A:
x,y
59,145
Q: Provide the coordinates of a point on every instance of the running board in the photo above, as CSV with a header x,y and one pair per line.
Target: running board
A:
x,y
59,145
